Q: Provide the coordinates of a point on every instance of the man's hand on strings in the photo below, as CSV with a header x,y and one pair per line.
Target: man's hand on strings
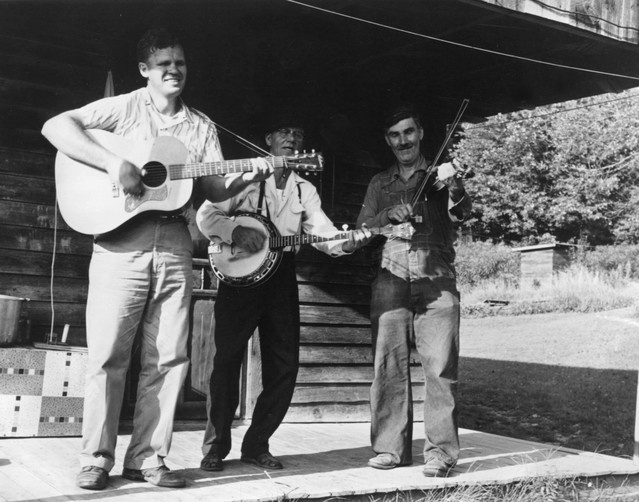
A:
x,y
127,175
248,239
400,213
262,169
447,173
357,239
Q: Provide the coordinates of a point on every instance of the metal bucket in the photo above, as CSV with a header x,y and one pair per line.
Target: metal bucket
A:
x,y
10,311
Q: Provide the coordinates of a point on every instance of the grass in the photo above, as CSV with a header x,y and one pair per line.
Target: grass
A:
x,y
582,287
576,289
530,490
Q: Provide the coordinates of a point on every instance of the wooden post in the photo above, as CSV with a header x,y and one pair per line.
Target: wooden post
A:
x,y
635,457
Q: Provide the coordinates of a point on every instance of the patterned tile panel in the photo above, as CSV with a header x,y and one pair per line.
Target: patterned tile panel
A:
x,y
41,392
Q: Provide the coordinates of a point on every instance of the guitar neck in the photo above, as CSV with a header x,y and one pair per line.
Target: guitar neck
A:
x,y
198,169
282,241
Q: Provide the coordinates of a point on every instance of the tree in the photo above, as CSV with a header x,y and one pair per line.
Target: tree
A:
x,y
569,170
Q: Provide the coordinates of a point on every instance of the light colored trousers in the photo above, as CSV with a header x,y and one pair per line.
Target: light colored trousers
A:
x,y
428,312
140,277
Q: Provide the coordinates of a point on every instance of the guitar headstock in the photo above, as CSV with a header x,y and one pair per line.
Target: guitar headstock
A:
x,y
310,162
402,231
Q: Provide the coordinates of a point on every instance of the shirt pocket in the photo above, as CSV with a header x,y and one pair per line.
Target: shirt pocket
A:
x,y
392,198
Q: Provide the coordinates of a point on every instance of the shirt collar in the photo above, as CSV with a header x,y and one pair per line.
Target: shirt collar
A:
x,y
183,114
422,165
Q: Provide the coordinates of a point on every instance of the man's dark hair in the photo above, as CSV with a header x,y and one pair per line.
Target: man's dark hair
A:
x,y
401,112
154,39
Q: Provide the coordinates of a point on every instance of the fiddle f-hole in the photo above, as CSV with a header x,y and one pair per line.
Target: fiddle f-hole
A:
x,y
155,174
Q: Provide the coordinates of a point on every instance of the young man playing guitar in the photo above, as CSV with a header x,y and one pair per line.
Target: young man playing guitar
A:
x,y
140,275
272,306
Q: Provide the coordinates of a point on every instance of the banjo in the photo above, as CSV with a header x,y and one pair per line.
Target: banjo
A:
x,y
236,267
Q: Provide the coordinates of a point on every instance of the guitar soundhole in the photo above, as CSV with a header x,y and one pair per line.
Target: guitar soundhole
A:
x,y
155,174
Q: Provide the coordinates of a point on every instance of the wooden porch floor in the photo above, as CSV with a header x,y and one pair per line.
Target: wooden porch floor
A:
x,y
321,461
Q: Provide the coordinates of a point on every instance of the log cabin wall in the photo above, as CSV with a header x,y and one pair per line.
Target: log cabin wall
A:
x,y
45,71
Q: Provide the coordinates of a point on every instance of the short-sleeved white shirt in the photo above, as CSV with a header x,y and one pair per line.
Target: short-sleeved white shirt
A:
x,y
134,116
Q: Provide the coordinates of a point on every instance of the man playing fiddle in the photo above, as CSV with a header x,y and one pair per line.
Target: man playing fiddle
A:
x,y
414,295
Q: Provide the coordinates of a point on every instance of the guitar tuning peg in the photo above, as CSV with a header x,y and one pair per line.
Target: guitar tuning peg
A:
x,y
345,227
297,152
313,151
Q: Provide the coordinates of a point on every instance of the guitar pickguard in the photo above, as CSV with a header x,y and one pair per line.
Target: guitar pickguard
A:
x,y
132,203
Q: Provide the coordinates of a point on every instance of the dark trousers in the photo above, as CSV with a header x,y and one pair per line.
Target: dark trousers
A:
x,y
273,308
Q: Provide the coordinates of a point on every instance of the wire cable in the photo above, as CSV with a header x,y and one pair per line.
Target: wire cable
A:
x,y
465,46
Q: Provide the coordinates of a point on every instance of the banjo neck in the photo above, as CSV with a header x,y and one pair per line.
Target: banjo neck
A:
x,y
282,241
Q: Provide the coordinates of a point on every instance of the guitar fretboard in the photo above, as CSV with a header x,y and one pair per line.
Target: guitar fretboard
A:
x,y
195,170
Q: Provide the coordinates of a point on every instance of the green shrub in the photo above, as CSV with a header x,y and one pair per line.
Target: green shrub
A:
x,y
479,262
621,260
602,278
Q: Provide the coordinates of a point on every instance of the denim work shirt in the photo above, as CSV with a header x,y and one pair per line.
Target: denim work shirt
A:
x,y
430,253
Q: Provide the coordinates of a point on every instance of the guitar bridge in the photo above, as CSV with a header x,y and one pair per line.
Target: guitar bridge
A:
x,y
115,190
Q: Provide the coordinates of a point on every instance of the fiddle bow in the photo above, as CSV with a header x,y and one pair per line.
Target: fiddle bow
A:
x,y
451,130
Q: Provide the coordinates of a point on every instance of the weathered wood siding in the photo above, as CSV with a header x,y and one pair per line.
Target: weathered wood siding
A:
x,y
616,19
45,71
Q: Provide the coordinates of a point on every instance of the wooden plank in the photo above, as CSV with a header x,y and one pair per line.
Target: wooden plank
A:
x,y
334,294
30,215
333,355
39,264
22,19
617,20
41,96
18,187
202,347
26,238
64,289
328,412
73,56
322,314
327,375
26,138
342,394
23,115
312,354
28,163
335,335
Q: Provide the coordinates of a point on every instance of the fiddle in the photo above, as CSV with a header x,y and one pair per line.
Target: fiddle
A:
x,y
450,169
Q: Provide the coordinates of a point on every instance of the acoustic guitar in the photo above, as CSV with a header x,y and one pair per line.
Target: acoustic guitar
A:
x,y
91,203
237,267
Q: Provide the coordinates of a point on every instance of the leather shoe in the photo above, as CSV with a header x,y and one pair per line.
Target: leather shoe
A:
x,y
92,477
211,462
264,460
383,461
158,476
436,468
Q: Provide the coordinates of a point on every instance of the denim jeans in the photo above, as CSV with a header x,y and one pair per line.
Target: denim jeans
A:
x,y
140,277
426,310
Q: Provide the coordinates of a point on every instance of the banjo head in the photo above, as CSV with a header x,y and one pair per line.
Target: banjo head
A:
x,y
236,267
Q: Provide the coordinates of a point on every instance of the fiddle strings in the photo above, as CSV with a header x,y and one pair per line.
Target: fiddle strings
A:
x,y
449,135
